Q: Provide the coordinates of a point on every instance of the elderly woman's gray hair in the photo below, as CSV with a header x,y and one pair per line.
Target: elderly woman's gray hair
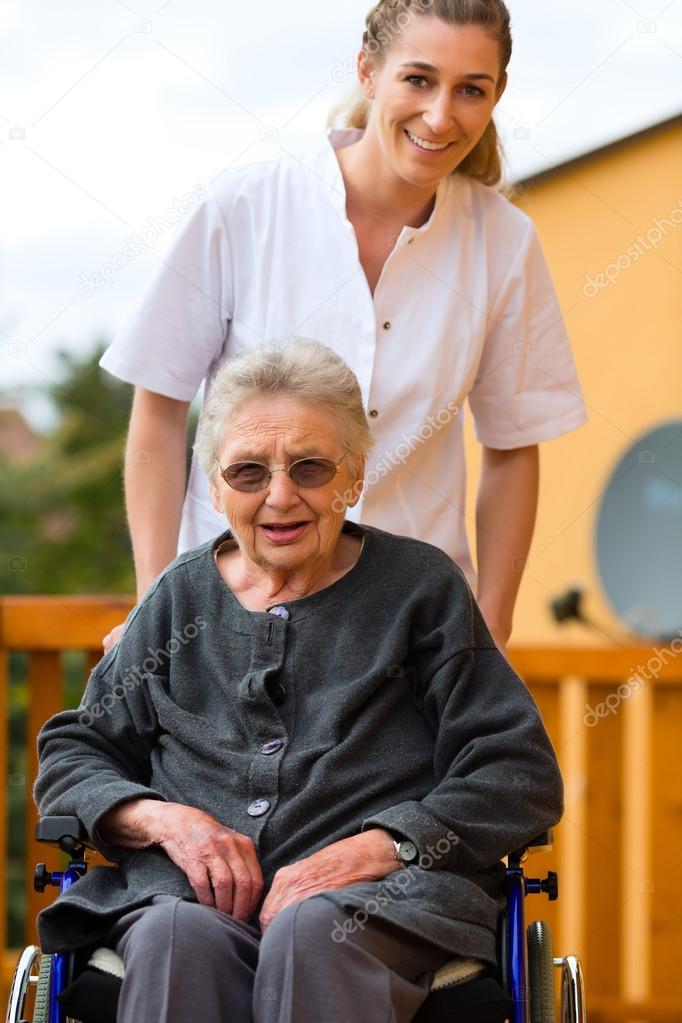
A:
x,y
298,368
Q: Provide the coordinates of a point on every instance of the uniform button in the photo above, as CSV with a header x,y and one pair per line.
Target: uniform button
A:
x,y
387,325
258,807
272,746
280,611
373,413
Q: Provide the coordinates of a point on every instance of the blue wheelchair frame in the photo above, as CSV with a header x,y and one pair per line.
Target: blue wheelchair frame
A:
x,y
61,961
514,965
516,886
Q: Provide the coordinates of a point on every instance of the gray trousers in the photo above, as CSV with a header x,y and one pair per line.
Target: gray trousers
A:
x,y
186,962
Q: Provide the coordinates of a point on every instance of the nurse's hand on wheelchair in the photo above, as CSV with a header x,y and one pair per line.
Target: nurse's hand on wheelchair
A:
x,y
112,638
222,866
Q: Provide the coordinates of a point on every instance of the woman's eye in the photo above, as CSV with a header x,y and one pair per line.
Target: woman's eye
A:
x,y
249,470
308,468
416,80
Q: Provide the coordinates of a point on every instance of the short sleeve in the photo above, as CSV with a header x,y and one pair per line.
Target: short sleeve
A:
x,y
526,389
169,342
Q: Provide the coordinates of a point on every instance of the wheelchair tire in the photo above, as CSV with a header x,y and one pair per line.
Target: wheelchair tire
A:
x,y
541,973
21,982
41,1006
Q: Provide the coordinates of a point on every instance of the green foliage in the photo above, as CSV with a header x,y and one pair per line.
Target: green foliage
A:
x,y
62,511
62,514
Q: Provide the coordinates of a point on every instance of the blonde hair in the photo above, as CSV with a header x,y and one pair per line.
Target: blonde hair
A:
x,y
297,368
389,19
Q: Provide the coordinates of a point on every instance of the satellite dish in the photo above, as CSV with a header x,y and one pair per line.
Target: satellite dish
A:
x,y
639,535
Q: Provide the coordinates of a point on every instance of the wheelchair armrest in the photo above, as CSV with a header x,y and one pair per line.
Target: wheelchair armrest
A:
x,y
67,832
541,843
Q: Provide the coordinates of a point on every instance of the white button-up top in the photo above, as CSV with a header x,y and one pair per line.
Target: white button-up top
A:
x,y
464,308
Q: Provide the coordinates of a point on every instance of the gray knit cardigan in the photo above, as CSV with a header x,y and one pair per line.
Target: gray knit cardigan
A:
x,y
393,706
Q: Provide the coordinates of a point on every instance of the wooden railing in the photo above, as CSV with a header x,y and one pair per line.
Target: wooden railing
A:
x,y
43,628
615,717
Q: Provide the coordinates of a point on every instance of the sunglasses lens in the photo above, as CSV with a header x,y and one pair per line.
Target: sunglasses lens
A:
x,y
306,472
312,472
246,476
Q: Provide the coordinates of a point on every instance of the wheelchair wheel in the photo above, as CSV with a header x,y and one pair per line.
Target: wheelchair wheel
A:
x,y
541,973
24,978
41,1007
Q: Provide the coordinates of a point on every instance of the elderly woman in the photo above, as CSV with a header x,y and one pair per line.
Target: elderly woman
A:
x,y
306,755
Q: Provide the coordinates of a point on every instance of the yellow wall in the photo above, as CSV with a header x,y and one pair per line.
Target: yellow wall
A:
x,y
627,341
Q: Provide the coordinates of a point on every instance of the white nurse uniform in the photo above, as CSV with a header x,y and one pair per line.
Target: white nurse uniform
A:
x,y
464,308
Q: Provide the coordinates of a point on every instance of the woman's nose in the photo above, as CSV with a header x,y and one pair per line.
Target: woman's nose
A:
x,y
282,491
438,116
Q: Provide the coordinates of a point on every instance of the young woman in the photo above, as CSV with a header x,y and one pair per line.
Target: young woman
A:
x,y
391,245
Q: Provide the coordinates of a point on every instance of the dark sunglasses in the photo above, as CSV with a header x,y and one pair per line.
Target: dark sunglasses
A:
x,y
304,472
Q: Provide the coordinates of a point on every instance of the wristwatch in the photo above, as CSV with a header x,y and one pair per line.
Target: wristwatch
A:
x,y
406,852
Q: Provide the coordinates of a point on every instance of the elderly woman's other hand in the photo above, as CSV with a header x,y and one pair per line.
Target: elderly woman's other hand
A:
x,y
365,857
221,864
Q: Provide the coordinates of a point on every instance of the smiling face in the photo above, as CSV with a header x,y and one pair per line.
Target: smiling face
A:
x,y
436,82
284,527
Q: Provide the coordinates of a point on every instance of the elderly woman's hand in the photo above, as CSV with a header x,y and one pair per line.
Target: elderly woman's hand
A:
x,y
365,857
221,864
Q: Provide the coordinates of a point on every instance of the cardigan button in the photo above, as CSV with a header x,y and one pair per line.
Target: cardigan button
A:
x,y
280,611
258,807
272,746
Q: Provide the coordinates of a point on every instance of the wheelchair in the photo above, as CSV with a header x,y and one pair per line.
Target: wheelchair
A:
x,y
83,986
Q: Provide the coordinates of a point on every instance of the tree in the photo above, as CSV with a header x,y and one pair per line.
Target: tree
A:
x,y
64,526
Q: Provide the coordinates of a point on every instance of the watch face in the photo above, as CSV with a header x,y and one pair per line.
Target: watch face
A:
x,y
408,852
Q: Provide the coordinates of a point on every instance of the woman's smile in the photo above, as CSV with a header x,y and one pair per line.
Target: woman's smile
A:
x,y
426,147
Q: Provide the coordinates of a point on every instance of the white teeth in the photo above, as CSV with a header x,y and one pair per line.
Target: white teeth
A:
x,y
427,145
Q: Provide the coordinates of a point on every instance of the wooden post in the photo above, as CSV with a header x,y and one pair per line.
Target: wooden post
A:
x,y
572,755
45,698
636,876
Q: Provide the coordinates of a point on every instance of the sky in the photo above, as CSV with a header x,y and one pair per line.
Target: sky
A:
x,y
113,113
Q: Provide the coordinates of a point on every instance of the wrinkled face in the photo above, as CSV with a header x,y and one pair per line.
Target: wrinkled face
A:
x,y
285,527
436,82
